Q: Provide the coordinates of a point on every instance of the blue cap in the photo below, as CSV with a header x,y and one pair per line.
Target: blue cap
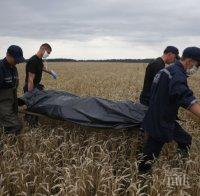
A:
x,y
173,50
193,53
17,53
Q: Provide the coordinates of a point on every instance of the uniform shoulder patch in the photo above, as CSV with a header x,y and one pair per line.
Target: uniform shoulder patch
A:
x,y
157,77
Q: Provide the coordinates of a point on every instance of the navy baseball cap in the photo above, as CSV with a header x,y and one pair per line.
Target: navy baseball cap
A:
x,y
193,53
17,53
173,50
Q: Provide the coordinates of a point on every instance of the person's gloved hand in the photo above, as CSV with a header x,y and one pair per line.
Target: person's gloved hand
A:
x,y
53,74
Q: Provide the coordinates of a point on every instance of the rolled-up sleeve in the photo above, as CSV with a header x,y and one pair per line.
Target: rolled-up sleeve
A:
x,y
180,92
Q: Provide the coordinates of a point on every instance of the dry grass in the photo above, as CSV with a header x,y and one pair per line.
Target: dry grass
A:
x,y
70,160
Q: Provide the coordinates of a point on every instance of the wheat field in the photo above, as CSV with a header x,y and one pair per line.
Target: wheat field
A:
x,y
65,159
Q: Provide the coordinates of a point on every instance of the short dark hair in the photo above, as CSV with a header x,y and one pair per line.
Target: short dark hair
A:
x,y
171,49
46,46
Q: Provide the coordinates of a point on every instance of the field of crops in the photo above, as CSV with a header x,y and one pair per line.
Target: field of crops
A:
x,y
66,159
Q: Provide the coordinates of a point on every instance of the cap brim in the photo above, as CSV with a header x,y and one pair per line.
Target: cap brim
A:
x,y
20,60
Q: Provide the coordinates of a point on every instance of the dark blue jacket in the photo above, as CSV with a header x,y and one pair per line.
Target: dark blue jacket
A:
x,y
169,92
8,75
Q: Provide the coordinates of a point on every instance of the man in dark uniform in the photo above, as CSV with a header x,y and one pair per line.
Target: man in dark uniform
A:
x,y
34,70
169,92
8,90
170,54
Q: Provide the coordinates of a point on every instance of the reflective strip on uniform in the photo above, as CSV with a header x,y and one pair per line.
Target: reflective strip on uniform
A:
x,y
168,73
157,77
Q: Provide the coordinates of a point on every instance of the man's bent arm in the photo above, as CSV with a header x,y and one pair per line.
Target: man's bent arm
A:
x,y
46,71
31,77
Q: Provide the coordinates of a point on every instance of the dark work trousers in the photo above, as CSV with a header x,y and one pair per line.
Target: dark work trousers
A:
x,y
9,111
153,147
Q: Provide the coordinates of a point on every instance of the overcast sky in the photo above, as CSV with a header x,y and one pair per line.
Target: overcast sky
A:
x,y
96,29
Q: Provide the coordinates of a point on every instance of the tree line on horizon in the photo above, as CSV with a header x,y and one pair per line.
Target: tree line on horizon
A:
x,y
103,60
